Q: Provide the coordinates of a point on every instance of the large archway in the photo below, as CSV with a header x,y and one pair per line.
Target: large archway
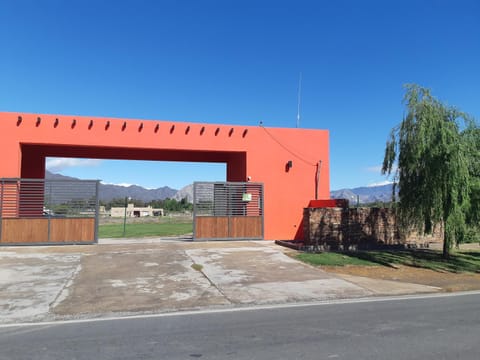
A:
x,y
293,164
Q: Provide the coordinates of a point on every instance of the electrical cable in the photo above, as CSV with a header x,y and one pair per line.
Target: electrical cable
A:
x,y
287,149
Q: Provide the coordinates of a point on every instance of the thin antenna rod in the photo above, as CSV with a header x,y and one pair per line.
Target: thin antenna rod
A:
x,y
299,94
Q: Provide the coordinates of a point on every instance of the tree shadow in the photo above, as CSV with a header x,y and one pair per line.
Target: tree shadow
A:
x,y
384,258
470,254
425,259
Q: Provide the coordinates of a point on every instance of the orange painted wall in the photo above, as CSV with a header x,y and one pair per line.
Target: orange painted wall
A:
x,y
259,152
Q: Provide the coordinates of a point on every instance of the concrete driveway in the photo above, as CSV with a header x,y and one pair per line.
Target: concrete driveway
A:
x,y
64,282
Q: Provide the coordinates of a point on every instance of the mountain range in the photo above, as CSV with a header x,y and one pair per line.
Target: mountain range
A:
x,y
107,192
365,195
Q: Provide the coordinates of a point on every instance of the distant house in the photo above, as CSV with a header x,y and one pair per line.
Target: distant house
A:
x,y
132,211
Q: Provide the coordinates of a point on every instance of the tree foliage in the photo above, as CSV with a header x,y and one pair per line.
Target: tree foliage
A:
x,y
471,137
433,167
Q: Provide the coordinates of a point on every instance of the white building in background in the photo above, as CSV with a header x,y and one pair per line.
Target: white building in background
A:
x,y
133,211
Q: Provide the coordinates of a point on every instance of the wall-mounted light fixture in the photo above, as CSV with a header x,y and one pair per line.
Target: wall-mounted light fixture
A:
x,y
288,165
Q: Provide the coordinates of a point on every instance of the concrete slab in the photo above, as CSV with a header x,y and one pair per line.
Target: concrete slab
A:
x,y
159,279
30,284
56,282
262,274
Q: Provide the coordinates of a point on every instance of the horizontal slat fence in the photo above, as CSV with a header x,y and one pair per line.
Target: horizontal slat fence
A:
x,y
38,211
228,210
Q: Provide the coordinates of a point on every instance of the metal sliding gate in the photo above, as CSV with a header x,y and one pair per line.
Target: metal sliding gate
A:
x,y
38,211
227,211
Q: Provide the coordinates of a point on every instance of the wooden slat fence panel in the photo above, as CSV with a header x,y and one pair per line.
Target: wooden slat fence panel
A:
x,y
211,227
245,227
39,211
72,230
228,210
24,231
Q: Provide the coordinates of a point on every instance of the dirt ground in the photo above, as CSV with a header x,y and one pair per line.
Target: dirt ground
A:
x,y
445,280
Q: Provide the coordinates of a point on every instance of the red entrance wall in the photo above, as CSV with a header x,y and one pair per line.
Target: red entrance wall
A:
x,y
251,153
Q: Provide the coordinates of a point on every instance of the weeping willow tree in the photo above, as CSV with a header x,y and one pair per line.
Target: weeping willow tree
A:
x,y
472,140
429,158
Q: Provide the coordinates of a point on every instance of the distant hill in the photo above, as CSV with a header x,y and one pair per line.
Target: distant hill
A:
x,y
50,175
366,194
185,192
107,192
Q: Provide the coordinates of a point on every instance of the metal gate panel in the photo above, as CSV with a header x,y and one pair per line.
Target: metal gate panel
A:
x,y
228,211
38,211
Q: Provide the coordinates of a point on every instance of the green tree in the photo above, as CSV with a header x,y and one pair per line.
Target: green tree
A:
x,y
120,202
432,170
185,205
156,204
176,206
472,139
117,202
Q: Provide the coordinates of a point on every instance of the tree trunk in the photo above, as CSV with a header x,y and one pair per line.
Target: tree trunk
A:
x,y
446,244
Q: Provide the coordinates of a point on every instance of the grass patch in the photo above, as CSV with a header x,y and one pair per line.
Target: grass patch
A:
x,y
144,230
460,261
332,259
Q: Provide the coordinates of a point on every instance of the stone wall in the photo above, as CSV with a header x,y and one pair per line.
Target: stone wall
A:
x,y
359,228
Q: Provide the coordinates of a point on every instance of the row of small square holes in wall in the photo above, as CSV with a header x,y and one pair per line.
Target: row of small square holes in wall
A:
x,y
124,126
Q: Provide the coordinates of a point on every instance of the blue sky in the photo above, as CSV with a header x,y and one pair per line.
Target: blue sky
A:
x,y
238,62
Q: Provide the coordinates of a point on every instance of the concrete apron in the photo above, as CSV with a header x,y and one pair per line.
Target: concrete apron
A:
x,y
47,283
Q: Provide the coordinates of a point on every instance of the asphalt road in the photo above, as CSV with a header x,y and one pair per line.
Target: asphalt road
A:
x,y
428,328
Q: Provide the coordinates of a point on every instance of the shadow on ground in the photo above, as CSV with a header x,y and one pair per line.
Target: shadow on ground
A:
x,y
464,261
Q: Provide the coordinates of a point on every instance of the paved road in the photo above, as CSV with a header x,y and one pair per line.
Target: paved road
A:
x,y
428,328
